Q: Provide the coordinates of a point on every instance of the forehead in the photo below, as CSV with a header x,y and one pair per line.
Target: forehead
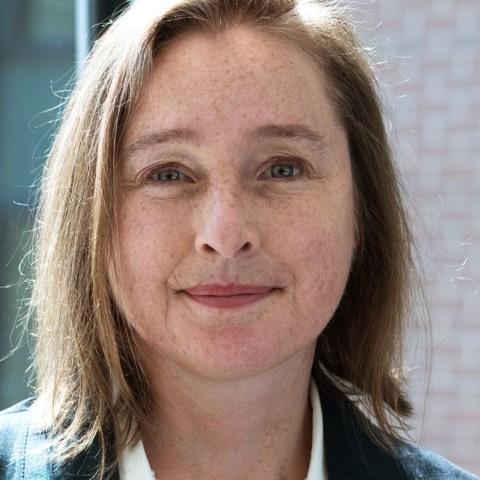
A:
x,y
234,79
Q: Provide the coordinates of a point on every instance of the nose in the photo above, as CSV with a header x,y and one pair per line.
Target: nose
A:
x,y
226,226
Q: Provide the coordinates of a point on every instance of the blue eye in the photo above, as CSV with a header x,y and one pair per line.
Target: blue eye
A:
x,y
167,175
285,169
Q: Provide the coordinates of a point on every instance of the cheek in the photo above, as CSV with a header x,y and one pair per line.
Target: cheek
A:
x,y
319,249
149,246
150,236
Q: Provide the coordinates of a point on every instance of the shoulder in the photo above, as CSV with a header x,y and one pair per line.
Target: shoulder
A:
x,y
351,452
420,463
14,422
15,412
14,425
25,449
19,411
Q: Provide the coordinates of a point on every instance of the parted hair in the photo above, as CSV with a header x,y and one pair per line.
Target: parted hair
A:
x,y
88,374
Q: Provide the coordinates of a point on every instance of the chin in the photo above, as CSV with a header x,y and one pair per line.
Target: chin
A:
x,y
234,360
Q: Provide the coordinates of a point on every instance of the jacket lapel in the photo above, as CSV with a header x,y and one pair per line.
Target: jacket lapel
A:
x,y
85,466
350,453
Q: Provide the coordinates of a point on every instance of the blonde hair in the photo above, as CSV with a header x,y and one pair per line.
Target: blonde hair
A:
x,y
87,364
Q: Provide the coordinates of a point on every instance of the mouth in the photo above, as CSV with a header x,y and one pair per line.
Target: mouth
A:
x,y
229,301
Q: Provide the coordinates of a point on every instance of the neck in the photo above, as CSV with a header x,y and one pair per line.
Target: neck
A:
x,y
257,427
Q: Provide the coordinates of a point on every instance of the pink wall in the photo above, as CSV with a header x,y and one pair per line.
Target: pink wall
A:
x,y
431,81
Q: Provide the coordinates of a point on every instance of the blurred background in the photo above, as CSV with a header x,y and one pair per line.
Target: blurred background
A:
x,y
428,63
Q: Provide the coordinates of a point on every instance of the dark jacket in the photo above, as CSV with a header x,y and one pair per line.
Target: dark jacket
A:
x,y
349,451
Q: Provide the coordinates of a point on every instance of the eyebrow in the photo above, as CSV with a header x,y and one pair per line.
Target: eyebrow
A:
x,y
295,131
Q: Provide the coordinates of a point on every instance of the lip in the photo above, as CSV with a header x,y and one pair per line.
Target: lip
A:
x,y
228,296
233,301
227,290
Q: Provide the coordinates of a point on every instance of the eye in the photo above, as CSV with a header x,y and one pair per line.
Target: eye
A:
x,y
285,168
166,175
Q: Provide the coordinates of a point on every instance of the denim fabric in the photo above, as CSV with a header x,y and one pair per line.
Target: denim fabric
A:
x,y
427,465
350,453
24,450
21,454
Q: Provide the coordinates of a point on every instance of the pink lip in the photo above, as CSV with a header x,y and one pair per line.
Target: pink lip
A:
x,y
227,290
233,301
228,296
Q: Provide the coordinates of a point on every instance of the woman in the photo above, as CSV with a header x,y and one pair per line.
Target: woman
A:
x,y
223,264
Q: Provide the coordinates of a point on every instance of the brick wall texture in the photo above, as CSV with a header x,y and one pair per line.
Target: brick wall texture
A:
x,y
428,61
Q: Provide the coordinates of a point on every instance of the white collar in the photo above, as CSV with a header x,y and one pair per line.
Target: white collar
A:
x,y
317,469
133,464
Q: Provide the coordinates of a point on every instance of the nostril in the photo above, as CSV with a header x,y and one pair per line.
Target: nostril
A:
x,y
247,246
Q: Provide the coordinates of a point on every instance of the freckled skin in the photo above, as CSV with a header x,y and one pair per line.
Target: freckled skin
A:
x,y
228,225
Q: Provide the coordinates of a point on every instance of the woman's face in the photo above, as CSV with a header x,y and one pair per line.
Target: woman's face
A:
x,y
234,171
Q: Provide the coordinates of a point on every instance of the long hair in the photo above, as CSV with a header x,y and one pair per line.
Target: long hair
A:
x,y
88,372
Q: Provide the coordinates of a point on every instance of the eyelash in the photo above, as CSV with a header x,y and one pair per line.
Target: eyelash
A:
x,y
284,161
